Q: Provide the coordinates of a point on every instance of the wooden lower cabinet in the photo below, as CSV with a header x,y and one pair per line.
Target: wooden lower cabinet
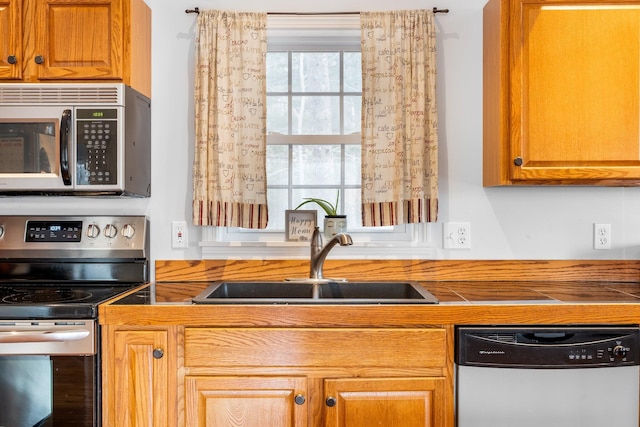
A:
x,y
177,376
283,402
314,377
136,386
389,402
246,401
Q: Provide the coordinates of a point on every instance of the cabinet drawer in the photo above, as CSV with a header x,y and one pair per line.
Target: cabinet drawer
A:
x,y
397,348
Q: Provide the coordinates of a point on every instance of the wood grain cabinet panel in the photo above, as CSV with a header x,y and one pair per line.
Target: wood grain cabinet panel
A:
x,y
406,402
77,40
246,401
135,379
561,92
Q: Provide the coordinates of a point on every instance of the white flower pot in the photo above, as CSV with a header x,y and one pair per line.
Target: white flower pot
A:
x,y
334,225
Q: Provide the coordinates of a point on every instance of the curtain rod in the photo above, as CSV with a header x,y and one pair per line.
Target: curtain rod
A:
x,y
197,10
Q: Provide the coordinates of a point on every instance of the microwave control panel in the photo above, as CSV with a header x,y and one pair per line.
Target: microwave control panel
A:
x,y
97,146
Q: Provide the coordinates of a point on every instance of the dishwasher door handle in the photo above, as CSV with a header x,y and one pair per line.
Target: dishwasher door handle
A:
x,y
43,336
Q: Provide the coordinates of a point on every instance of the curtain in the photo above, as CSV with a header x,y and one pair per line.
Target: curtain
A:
x,y
229,173
399,118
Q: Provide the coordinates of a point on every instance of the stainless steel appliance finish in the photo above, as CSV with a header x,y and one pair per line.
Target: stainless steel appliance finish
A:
x,y
54,272
74,139
553,376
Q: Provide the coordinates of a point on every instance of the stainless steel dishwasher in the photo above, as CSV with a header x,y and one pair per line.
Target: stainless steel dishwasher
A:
x,y
547,376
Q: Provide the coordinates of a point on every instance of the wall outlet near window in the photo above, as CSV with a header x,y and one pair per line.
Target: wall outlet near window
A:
x,y
179,234
457,235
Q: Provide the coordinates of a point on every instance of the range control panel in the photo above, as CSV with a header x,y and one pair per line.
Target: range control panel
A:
x,y
74,236
551,347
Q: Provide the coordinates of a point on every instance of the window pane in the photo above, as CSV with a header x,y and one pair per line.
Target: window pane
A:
x,y
277,71
352,117
277,164
315,71
352,202
352,72
315,115
316,165
277,114
277,201
352,162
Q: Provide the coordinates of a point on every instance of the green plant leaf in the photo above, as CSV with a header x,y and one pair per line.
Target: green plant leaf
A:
x,y
328,208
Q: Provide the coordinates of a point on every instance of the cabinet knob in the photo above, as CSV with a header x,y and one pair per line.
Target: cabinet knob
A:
x,y
331,402
12,59
158,353
518,161
39,59
299,399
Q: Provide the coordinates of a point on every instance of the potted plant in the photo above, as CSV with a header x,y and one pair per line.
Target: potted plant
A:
x,y
333,223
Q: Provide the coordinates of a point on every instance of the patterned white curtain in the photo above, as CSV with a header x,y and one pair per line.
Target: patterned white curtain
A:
x,y
399,118
229,173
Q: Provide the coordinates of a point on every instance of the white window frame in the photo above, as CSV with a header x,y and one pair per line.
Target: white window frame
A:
x,y
409,241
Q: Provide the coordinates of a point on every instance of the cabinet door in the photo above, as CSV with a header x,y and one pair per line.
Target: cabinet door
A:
x,y
246,401
389,402
75,39
10,39
561,94
138,381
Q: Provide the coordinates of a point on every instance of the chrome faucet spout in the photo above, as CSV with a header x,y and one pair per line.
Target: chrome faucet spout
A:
x,y
319,253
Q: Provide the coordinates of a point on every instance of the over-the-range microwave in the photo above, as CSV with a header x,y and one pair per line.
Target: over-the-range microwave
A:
x,y
74,139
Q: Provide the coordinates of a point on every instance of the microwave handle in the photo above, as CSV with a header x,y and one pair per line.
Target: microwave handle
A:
x,y
65,135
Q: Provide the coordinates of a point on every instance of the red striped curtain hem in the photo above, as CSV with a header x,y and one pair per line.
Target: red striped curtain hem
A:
x,y
229,214
395,213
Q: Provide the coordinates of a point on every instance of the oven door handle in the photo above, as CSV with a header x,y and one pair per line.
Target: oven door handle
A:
x,y
43,336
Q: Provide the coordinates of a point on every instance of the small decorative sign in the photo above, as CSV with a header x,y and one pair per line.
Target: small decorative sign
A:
x,y
299,225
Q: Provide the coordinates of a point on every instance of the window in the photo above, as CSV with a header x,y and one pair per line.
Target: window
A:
x,y
313,129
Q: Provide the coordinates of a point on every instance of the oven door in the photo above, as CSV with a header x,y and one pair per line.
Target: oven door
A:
x,y
49,374
35,148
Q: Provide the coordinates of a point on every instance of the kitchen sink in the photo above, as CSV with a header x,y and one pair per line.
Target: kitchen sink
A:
x,y
286,292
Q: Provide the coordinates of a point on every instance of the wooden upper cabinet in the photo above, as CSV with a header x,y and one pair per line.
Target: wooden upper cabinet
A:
x,y
561,92
10,39
77,40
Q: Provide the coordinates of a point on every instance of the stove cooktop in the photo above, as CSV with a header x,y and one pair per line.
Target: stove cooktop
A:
x,y
55,301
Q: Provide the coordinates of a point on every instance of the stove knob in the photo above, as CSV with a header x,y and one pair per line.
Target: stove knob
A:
x,y
110,231
128,231
619,352
93,231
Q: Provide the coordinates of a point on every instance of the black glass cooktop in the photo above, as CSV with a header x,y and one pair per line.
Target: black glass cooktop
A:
x,y
55,301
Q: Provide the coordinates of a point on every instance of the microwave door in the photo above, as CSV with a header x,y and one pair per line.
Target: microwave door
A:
x,y
32,150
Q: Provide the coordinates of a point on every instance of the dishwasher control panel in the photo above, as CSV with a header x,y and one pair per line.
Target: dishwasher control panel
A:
x,y
548,346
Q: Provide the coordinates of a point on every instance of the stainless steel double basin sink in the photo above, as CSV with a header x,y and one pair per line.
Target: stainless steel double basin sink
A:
x,y
323,292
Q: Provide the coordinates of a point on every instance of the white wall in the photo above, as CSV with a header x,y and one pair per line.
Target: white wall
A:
x,y
506,223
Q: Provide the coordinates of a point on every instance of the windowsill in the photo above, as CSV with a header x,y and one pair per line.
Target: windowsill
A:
x,y
300,250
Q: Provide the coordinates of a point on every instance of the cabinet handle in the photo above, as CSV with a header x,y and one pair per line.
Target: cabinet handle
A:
x,y
12,59
518,161
39,59
299,399
158,353
331,402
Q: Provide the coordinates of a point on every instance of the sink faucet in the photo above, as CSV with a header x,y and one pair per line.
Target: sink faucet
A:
x,y
318,253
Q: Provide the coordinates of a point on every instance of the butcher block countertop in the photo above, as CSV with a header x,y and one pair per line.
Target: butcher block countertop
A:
x,y
469,292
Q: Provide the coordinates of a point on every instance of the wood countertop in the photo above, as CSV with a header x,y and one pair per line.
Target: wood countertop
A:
x,y
459,303
470,292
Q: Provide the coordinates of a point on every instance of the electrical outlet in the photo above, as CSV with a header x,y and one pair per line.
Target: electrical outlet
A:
x,y
457,235
179,234
601,236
